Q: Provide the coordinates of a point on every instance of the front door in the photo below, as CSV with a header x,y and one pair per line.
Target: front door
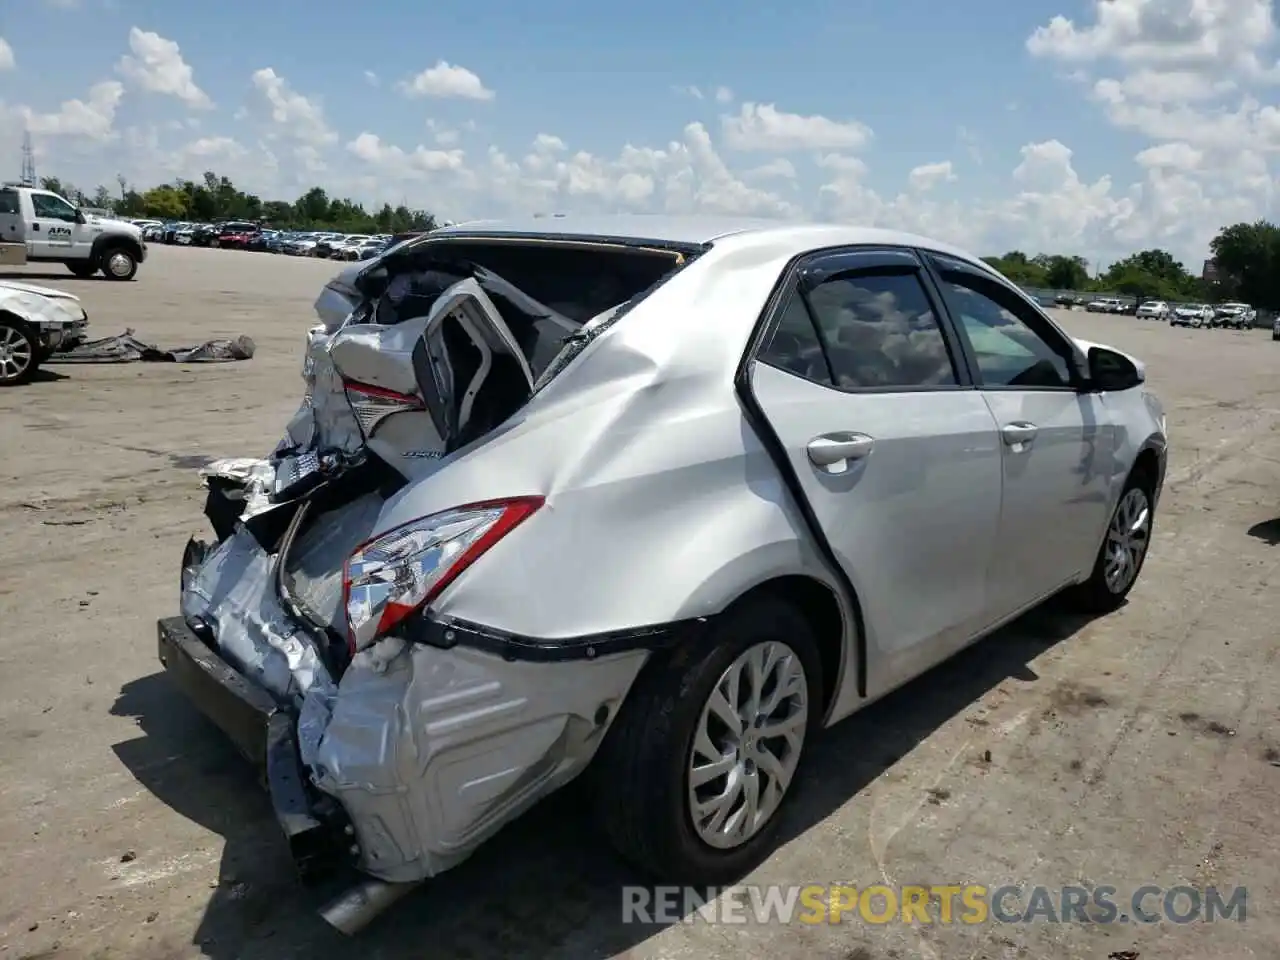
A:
x,y
1057,440
899,461
53,226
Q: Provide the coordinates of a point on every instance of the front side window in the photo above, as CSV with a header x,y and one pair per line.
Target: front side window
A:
x,y
49,207
880,332
1000,330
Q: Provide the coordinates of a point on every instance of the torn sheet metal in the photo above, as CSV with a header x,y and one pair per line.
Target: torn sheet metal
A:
x,y
254,478
324,419
313,566
233,591
127,348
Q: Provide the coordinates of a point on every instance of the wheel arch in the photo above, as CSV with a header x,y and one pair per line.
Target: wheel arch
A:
x,y
820,605
111,241
7,315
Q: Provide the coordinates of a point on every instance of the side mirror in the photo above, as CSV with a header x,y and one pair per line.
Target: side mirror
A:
x,y
1110,370
80,217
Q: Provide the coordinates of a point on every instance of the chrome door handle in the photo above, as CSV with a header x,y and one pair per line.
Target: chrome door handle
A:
x,y
1019,432
831,448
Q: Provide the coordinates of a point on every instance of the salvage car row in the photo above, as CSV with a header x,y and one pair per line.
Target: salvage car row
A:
x,y
249,235
1232,315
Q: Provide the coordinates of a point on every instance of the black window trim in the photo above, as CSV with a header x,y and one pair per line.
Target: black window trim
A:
x,y
819,266
1039,323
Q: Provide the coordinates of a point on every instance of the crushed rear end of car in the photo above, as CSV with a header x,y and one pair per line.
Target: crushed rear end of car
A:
x,y
393,740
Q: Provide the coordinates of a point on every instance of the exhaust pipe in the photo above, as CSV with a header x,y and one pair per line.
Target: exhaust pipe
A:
x,y
354,910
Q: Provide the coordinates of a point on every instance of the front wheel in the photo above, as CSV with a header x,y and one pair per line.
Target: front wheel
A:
x,y
119,264
1123,551
692,776
18,360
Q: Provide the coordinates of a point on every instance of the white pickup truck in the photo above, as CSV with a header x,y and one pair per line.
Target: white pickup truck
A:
x,y
37,226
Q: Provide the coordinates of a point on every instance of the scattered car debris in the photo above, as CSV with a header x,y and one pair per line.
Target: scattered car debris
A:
x,y
127,348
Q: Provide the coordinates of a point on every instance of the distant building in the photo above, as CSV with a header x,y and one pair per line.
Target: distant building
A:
x,y
1209,272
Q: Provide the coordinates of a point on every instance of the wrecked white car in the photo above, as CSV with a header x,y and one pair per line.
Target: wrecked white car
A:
x,y
35,322
648,499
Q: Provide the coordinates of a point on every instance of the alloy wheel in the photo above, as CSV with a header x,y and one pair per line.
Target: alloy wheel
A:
x,y
747,744
15,353
1127,540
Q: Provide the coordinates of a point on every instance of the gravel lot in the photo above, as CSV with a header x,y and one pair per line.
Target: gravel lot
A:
x,y
1139,748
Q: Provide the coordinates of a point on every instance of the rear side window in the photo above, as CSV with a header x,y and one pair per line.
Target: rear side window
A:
x,y
9,201
881,332
864,331
795,347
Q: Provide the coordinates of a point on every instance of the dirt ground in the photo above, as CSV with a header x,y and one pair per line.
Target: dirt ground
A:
x,y
1141,748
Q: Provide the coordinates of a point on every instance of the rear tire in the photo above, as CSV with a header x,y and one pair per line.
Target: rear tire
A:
x,y
1124,548
18,354
644,779
119,264
84,269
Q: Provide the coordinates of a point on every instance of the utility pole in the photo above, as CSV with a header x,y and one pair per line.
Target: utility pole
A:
x,y
28,161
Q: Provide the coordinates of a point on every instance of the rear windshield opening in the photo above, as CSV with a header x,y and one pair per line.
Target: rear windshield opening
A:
x,y
575,280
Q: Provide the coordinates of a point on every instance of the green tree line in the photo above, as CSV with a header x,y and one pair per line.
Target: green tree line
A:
x,y
1246,255
217,198
1246,258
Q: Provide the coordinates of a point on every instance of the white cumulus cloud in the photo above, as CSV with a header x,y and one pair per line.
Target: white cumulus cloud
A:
x,y
156,65
763,127
446,80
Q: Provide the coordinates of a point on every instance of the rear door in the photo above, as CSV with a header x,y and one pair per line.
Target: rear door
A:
x,y
1057,440
11,227
897,456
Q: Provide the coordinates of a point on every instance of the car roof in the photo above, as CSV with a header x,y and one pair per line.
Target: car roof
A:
x,y
691,231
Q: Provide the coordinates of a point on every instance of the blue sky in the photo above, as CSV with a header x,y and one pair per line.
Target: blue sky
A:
x,y
1086,126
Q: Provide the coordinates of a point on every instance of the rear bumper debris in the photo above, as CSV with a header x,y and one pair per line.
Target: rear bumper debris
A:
x,y
264,733
426,752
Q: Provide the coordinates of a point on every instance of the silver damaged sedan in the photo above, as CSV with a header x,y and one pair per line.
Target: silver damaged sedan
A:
x,y
648,500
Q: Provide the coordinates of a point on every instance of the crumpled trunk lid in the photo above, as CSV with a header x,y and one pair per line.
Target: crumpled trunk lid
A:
x,y
408,366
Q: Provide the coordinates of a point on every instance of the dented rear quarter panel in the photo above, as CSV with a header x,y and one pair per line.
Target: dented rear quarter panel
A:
x,y
661,502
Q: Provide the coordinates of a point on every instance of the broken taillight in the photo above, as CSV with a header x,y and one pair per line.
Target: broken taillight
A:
x,y
401,571
372,405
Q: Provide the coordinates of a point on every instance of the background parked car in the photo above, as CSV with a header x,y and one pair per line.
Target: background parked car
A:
x,y
1236,316
1192,315
1153,310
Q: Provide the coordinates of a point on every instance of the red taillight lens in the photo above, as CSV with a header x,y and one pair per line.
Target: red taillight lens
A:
x,y
372,405
391,576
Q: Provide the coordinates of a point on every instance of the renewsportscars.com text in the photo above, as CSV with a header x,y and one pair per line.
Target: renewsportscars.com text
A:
x,y
941,903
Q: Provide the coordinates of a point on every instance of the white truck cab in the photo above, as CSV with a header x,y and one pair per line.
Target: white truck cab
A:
x,y
37,226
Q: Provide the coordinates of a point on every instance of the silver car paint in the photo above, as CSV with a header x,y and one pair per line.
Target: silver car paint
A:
x,y
42,306
662,504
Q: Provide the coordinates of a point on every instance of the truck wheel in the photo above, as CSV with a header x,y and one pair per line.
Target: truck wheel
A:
x,y
18,361
118,264
84,269
690,780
